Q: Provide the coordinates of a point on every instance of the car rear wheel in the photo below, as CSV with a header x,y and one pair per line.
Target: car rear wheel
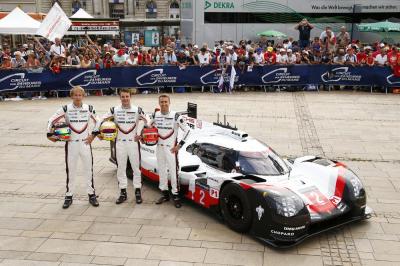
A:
x,y
235,208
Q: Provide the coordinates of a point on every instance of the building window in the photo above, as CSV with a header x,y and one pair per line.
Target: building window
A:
x,y
56,1
76,5
151,9
174,9
117,10
174,4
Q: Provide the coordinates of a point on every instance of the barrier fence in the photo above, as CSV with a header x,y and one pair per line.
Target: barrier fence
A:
x,y
174,76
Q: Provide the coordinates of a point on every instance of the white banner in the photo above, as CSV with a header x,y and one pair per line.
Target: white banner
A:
x,y
55,25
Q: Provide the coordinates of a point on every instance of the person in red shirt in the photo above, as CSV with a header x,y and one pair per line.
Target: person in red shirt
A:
x,y
270,56
394,61
392,56
370,58
146,57
6,64
379,49
108,62
362,55
139,53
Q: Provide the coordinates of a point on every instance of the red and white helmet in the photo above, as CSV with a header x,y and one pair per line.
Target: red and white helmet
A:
x,y
150,136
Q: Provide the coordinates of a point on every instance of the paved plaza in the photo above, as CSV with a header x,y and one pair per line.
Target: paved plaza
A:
x,y
358,128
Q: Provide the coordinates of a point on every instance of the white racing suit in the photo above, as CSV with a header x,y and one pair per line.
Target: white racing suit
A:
x,y
168,126
127,121
78,119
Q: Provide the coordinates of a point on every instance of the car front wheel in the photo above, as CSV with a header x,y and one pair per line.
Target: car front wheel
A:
x,y
235,208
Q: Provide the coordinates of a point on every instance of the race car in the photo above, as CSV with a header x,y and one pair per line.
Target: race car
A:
x,y
279,201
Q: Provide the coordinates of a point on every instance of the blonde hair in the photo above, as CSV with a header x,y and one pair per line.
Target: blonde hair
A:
x,y
125,91
164,96
76,89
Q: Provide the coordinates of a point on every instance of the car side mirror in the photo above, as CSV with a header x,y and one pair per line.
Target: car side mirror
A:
x,y
192,148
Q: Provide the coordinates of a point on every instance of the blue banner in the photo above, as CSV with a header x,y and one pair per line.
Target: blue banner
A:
x,y
158,76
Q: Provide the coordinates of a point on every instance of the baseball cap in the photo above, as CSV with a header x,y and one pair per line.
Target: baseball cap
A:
x,y
195,46
282,50
270,49
289,50
382,45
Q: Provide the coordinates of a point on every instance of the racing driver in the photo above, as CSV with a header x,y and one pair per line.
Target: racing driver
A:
x,y
127,116
168,123
77,116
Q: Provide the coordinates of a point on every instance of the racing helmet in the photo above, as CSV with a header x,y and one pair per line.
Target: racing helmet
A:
x,y
150,136
108,131
62,132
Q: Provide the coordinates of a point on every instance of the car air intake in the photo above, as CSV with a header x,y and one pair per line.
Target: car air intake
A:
x,y
189,168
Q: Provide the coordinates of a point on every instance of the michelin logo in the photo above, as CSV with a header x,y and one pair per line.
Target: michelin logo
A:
x,y
153,77
280,75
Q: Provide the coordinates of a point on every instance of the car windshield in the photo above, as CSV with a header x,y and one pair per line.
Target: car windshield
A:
x,y
261,163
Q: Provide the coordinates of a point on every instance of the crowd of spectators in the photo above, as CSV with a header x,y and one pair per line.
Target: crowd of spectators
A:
x,y
328,48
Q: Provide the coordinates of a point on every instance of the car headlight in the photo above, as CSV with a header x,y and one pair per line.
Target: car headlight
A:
x,y
288,205
357,185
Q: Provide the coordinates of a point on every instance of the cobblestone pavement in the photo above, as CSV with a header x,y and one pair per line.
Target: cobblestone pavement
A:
x,y
358,128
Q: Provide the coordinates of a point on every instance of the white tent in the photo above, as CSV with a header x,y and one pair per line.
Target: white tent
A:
x,y
18,22
81,14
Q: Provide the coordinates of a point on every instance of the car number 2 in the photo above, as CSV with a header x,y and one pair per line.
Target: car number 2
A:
x,y
202,195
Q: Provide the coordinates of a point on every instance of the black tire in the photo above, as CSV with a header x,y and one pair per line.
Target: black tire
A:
x,y
236,208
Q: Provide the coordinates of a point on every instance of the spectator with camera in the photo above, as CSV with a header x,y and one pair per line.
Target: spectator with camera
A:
x,y
304,28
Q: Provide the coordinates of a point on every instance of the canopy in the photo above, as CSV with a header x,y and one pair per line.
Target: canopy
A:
x,y
379,26
18,22
271,33
81,14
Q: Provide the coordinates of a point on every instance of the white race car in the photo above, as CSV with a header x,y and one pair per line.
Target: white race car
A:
x,y
279,201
